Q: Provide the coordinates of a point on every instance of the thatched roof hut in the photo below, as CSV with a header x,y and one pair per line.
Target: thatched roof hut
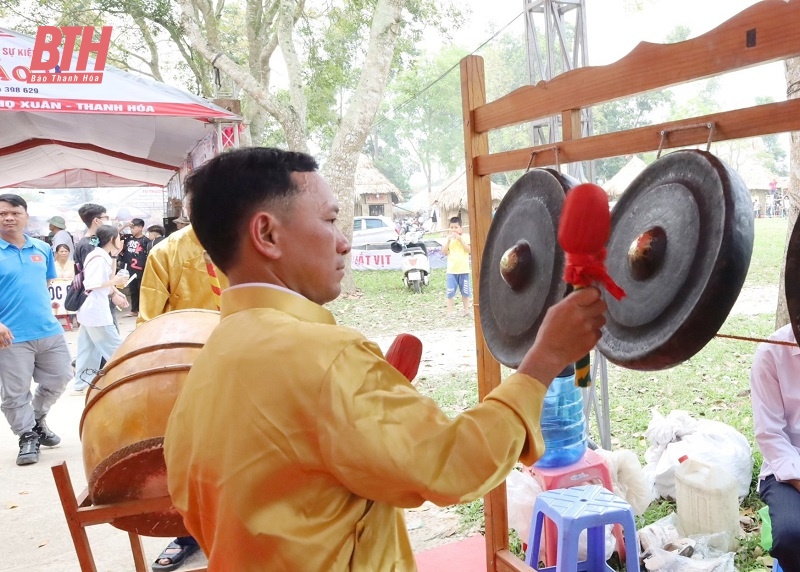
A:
x,y
452,196
375,195
617,184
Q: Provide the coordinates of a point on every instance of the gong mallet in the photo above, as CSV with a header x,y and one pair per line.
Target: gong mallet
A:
x,y
583,231
404,354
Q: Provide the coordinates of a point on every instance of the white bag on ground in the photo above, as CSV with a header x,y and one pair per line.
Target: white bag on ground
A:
x,y
711,442
521,492
628,477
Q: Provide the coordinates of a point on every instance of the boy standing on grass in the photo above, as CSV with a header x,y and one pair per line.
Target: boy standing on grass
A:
x,y
457,250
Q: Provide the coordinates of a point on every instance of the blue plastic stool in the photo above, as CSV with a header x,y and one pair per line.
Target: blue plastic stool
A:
x,y
775,566
589,507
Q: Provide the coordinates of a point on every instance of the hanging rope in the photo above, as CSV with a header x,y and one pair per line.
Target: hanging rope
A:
x,y
757,340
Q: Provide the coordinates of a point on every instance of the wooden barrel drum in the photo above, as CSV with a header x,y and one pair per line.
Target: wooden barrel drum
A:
x,y
123,424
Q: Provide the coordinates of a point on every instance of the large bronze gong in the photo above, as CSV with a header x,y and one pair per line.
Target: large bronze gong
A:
x,y
680,246
522,265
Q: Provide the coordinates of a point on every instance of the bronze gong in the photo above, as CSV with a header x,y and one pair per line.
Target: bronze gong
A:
x,y
680,246
522,266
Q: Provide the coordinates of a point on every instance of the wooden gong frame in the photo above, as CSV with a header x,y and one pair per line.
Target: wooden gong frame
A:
x,y
762,33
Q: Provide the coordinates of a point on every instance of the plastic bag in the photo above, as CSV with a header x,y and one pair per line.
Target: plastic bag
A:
x,y
659,533
663,561
711,442
630,482
521,493
663,541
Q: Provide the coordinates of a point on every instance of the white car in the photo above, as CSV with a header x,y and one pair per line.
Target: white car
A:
x,y
373,230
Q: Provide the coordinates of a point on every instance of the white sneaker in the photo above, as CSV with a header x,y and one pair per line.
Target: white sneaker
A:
x,y
79,391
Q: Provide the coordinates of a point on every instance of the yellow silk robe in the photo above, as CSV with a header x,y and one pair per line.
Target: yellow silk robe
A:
x,y
294,445
175,277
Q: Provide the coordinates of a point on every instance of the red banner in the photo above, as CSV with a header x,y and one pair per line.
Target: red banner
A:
x,y
104,107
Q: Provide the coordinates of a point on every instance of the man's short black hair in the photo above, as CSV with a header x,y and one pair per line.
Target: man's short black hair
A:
x,y
157,228
227,190
89,212
14,200
137,222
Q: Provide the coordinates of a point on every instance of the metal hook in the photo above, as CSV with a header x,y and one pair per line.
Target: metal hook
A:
x,y
710,126
665,132
536,152
530,161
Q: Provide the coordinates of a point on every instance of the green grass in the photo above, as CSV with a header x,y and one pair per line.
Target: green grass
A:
x,y
768,252
714,384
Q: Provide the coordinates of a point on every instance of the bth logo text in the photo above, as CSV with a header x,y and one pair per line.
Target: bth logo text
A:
x,y
48,64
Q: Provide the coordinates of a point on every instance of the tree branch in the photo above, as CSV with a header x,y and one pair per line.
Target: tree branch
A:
x,y
372,82
209,48
285,24
154,65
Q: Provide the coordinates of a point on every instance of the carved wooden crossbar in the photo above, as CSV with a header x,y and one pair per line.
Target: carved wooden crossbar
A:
x,y
765,32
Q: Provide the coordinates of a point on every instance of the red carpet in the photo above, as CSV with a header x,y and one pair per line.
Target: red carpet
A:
x,y
467,555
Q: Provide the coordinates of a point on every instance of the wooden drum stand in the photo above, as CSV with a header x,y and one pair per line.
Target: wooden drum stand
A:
x,y
80,513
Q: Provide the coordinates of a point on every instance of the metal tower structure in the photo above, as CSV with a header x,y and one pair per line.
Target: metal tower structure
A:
x,y
556,38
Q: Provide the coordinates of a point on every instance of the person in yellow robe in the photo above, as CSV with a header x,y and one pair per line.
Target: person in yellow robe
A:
x,y
294,445
176,278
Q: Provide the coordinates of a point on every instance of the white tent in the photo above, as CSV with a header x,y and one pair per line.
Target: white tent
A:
x,y
125,131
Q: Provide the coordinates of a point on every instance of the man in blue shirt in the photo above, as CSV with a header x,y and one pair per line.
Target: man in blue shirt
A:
x,y
32,344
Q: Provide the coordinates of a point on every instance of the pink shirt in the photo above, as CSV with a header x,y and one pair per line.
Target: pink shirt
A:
x,y
775,393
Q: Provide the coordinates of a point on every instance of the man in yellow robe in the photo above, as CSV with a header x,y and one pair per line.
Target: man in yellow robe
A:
x,y
176,278
294,444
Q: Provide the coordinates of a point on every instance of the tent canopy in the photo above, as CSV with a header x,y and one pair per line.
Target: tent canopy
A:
x,y
125,131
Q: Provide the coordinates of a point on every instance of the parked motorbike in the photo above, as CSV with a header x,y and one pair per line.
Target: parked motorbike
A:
x,y
414,264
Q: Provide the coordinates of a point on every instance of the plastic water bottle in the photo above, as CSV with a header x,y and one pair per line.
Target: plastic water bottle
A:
x,y
563,422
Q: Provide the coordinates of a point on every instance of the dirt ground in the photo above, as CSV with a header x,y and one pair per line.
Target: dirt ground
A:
x,y
33,531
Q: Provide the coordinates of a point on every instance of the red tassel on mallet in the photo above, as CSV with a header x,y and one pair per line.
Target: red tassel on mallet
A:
x,y
583,231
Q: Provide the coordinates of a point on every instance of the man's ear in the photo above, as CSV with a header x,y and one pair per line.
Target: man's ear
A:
x,y
264,231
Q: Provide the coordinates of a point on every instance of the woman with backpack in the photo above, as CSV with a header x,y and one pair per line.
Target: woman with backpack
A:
x,y
99,337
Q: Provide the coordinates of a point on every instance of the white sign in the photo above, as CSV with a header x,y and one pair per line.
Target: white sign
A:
x,y
385,259
58,291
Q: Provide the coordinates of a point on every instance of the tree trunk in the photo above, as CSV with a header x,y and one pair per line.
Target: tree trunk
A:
x,y
792,92
340,168
205,41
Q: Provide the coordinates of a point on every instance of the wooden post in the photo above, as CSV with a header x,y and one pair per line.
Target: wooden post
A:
x,y
473,93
